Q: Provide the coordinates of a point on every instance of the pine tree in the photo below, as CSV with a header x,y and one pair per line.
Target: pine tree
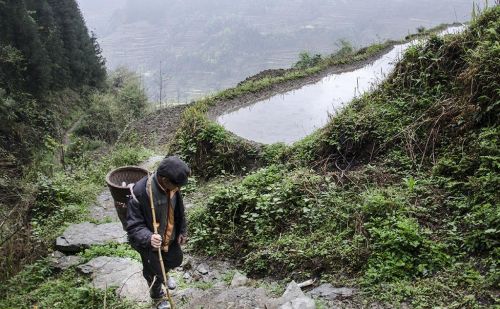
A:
x,y
50,35
85,64
44,47
19,30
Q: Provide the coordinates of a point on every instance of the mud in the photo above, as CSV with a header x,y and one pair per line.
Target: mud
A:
x,y
158,127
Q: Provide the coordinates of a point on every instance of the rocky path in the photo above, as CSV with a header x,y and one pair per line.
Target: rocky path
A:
x,y
59,155
201,283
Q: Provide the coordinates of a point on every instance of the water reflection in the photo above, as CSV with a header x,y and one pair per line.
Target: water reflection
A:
x,y
293,115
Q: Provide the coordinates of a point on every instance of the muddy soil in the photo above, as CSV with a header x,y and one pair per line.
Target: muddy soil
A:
x,y
158,128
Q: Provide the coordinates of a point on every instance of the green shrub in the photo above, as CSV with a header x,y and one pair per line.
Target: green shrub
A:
x,y
110,111
401,249
307,61
209,148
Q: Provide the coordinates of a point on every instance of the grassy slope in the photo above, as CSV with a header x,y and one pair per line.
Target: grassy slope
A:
x,y
397,194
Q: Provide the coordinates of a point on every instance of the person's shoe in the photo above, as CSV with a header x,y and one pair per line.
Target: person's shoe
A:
x,y
171,283
156,297
164,304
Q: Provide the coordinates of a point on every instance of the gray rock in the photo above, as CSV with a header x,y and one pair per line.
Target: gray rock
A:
x,y
299,303
186,276
104,208
327,291
151,163
239,280
214,274
202,269
123,273
60,261
189,293
293,291
81,236
187,264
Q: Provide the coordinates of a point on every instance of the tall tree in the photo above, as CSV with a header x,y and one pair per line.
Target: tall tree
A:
x,y
19,30
44,47
50,36
85,63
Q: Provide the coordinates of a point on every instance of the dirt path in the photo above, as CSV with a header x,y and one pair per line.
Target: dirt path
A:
x,y
159,127
68,133
59,157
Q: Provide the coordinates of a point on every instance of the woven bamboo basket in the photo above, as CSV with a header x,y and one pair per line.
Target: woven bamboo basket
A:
x,y
118,181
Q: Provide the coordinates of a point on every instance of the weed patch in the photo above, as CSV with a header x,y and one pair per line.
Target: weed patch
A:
x,y
210,149
111,249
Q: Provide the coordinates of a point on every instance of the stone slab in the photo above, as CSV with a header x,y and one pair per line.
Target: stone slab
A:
x,y
123,273
329,292
104,207
60,261
81,236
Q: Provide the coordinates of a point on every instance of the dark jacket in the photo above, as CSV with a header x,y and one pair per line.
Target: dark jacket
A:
x,y
140,219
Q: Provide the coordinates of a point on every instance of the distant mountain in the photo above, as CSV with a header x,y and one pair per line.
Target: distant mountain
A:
x,y
208,45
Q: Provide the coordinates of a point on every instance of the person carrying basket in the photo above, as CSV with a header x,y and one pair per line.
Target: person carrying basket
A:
x,y
156,225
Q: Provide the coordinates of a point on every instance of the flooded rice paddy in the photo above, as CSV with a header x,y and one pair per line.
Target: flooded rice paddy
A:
x,y
291,116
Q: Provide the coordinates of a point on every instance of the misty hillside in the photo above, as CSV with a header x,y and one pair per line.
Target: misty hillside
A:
x,y
211,45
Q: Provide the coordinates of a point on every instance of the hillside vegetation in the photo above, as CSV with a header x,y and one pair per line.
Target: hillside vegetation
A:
x,y
398,194
47,58
61,116
59,112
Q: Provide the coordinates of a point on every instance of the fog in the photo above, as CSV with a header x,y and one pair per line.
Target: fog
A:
x,y
204,46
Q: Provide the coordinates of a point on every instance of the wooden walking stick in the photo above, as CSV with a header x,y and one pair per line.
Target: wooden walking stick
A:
x,y
160,257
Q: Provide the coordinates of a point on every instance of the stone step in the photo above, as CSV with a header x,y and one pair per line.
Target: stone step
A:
x,y
61,262
123,273
78,237
104,207
221,296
